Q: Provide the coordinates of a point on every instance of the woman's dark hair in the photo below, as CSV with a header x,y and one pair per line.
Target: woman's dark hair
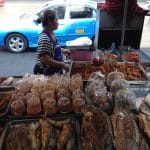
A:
x,y
48,15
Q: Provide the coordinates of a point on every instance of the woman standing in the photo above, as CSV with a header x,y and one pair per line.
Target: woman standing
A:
x,y
49,53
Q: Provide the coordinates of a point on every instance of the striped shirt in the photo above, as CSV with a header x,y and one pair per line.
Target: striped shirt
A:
x,y
45,46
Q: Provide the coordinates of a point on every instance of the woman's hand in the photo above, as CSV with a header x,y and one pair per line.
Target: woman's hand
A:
x,y
66,51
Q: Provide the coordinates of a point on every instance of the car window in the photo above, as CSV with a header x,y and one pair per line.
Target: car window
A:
x,y
81,12
60,11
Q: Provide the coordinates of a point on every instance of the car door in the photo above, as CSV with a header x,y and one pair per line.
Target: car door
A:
x,y
81,23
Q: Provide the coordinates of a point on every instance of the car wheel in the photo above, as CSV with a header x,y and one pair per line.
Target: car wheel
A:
x,y
16,43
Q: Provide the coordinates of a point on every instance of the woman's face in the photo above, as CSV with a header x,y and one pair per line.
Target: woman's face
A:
x,y
55,24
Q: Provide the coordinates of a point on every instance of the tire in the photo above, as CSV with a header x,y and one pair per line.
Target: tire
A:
x,y
16,43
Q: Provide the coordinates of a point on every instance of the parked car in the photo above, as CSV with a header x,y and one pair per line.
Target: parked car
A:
x,y
76,19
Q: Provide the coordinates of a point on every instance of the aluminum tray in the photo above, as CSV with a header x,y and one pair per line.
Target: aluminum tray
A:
x,y
73,65
2,125
2,79
140,90
8,115
4,113
146,81
28,121
10,86
6,88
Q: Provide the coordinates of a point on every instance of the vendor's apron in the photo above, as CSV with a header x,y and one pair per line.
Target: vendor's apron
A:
x,y
58,56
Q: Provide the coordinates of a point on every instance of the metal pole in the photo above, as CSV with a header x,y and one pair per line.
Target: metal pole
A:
x,y
123,26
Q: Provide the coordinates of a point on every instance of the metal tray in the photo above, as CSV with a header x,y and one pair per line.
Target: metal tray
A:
x,y
10,86
75,63
140,90
5,112
28,121
2,125
8,115
6,88
2,79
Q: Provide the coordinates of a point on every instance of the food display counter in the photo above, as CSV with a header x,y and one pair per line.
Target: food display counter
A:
x,y
69,114
134,72
100,104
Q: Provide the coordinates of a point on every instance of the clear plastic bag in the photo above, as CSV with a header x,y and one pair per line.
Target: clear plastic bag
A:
x,y
78,104
94,85
49,106
117,85
64,105
78,93
126,99
76,82
98,57
96,92
113,76
97,76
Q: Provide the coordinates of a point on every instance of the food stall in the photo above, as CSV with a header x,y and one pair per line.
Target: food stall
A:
x,y
103,103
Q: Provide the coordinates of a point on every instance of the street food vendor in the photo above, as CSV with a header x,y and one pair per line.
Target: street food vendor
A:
x,y
49,58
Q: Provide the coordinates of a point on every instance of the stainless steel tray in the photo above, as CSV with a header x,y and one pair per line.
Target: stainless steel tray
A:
x,y
140,90
75,63
28,121
11,85
2,79
5,112
6,88
32,117
8,127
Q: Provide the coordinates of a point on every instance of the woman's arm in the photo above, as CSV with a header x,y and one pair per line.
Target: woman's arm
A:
x,y
47,60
